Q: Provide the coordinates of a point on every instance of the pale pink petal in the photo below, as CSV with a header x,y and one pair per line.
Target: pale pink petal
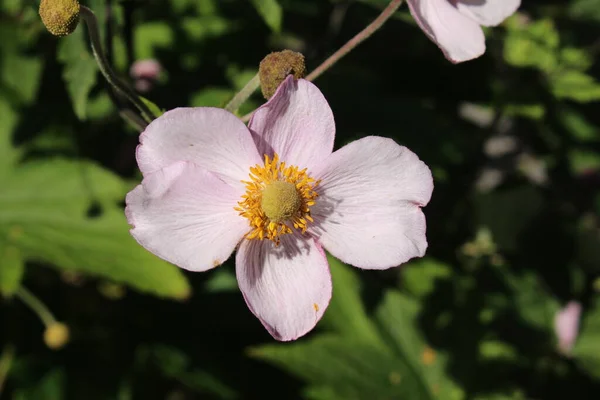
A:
x,y
287,287
459,37
184,214
211,138
296,123
368,213
566,326
488,12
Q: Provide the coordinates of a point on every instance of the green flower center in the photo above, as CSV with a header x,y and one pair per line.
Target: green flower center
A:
x,y
280,201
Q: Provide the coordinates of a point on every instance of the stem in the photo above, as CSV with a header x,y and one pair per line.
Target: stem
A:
x,y
109,74
350,45
243,94
36,306
6,359
356,40
133,119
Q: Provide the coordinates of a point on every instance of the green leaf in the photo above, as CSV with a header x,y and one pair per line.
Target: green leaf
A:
x,y
175,364
497,350
399,364
201,28
221,280
271,13
151,36
346,313
419,277
12,269
531,111
12,7
531,44
211,97
80,70
531,301
51,386
102,247
583,160
587,347
22,75
575,85
578,126
43,210
154,109
574,58
397,318
344,367
585,9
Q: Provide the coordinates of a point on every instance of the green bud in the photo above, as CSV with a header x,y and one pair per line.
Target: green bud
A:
x,y
275,67
60,17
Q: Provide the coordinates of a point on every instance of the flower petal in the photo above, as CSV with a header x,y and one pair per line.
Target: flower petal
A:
x,y
368,212
458,36
296,123
287,287
184,214
566,326
211,138
488,12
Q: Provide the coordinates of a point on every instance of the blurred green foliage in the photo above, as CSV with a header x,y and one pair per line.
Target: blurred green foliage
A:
x,y
513,139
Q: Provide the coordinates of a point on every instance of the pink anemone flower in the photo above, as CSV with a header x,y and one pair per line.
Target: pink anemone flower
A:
x,y
455,25
277,192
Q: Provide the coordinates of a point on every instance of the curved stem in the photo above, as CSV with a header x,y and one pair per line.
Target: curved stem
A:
x,y
109,74
356,40
243,94
36,306
350,45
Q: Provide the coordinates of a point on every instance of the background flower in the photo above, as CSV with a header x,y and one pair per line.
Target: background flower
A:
x,y
566,326
145,74
454,25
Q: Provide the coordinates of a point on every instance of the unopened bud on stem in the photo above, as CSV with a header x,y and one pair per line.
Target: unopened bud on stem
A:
x,y
56,335
275,67
60,17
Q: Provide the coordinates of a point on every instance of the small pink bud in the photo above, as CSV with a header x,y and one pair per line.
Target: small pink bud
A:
x,y
566,326
145,73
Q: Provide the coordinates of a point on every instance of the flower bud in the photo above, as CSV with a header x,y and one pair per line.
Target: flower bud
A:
x,y
56,336
60,17
145,74
275,67
566,327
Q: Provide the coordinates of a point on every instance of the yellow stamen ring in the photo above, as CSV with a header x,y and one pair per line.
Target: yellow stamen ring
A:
x,y
277,198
